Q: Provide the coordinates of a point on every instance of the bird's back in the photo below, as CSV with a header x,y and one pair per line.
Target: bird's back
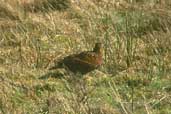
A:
x,y
83,62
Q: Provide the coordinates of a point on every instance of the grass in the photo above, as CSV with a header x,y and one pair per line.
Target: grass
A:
x,y
135,77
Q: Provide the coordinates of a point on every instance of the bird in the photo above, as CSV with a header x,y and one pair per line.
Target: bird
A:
x,y
83,62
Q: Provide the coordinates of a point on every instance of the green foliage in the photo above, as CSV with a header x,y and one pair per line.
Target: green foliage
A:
x,y
47,5
135,76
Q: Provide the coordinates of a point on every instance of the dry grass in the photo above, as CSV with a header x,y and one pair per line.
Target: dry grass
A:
x,y
135,77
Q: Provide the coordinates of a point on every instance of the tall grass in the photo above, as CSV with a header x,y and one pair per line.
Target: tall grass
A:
x,y
135,75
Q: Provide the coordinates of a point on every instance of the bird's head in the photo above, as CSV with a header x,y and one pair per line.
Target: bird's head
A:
x,y
98,48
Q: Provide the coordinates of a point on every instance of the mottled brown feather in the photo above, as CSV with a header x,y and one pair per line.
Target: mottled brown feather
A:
x,y
83,62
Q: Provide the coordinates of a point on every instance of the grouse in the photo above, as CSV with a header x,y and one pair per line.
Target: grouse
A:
x,y
83,62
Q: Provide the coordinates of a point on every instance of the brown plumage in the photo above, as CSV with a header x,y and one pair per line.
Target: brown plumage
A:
x,y
83,62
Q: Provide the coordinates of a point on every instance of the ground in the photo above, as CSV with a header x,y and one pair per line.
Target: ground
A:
x,y
135,75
